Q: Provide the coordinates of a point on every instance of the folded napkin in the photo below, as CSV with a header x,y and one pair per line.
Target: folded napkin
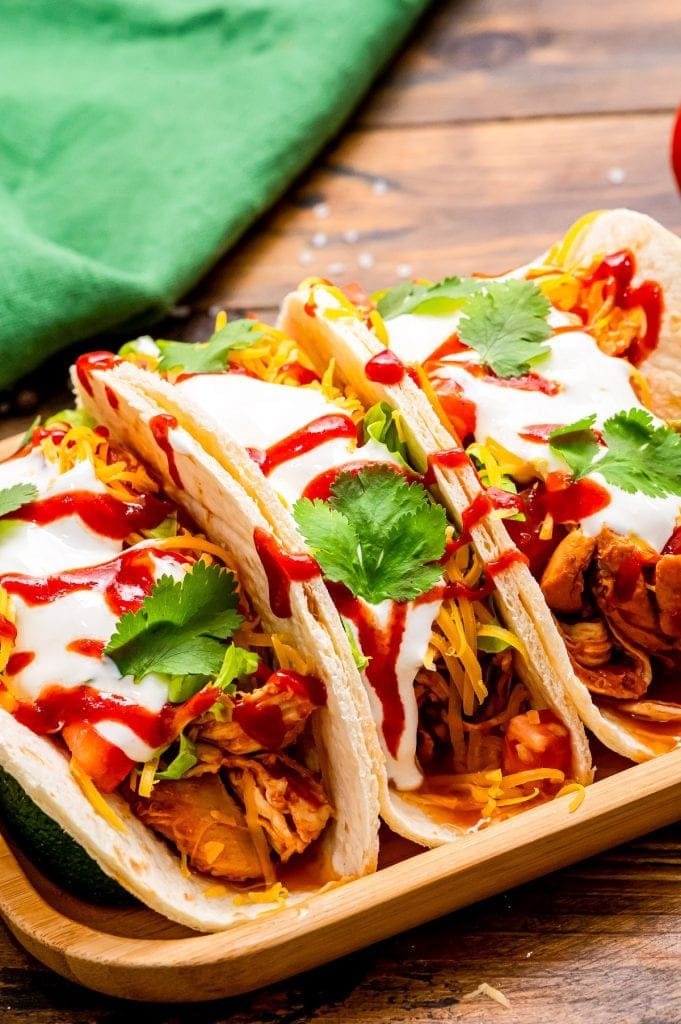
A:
x,y
139,138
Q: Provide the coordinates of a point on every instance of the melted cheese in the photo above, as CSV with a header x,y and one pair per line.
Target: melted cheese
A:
x,y
590,381
65,544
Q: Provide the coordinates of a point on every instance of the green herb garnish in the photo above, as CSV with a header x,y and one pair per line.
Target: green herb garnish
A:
x,y
506,324
428,299
209,356
639,454
179,627
378,534
12,498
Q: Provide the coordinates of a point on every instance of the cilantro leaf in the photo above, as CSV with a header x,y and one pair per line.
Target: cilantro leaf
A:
x,y
431,299
640,454
207,357
185,759
179,626
506,324
577,444
378,534
12,498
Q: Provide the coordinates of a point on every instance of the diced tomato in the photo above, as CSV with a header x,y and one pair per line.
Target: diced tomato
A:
x,y
460,411
356,294
105,764
543,744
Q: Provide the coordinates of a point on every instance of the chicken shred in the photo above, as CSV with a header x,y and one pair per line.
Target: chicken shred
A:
x,y
291,804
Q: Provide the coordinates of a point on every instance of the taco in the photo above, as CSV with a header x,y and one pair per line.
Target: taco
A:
x,y
467,731
562,382
191,739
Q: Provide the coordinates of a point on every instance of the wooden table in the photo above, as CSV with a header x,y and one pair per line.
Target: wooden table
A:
x,y
498,125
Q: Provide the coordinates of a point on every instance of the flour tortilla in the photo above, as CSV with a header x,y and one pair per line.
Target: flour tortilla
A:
x,y
658,257
405,818
138,859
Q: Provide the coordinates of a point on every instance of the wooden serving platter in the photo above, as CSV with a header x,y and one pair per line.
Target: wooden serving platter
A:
x,y
138,955
134,953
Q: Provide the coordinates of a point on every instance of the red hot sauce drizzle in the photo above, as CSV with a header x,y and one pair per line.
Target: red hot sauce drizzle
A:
x,y
160,427
618,270
91,361
385,368
452,458
58,707
88,648
125,582
282,569
382,646
101,513
309,437
264,721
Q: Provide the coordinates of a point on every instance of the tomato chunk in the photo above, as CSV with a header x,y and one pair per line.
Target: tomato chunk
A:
x,y
460,411
105,764
529,744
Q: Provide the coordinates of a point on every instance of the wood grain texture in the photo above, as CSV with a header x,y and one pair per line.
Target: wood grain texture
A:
x,y
451,199
137,953
485,59
590,88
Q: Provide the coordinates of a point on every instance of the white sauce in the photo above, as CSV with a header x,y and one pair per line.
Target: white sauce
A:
x,y
48,629
181,442
590,382
64,544
403,769
258,415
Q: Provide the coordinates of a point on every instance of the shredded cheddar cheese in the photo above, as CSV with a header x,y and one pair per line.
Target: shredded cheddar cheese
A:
x,y
147,779
276,893
7,613
95,797
255,828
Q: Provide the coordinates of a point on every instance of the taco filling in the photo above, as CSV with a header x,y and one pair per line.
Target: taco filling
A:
x,y
463,739
125,638
541,375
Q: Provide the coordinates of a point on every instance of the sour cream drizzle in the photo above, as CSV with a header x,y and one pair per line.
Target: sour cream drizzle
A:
x,y
56,613
589,382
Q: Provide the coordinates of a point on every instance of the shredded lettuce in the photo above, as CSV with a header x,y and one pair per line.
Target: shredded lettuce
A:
x,y
380,425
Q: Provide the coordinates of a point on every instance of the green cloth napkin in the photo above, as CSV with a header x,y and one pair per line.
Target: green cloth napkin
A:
x,y
139,138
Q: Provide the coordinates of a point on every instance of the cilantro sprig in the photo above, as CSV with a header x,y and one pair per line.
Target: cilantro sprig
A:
x,y
432,299
12,498
378,534
180,626
506,324
210,356
636,453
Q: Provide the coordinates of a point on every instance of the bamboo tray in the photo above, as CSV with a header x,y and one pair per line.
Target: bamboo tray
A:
x,y
136,954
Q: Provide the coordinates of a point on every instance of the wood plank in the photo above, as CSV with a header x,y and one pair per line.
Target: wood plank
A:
x,y
486,59
357,914
447,199
597,942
